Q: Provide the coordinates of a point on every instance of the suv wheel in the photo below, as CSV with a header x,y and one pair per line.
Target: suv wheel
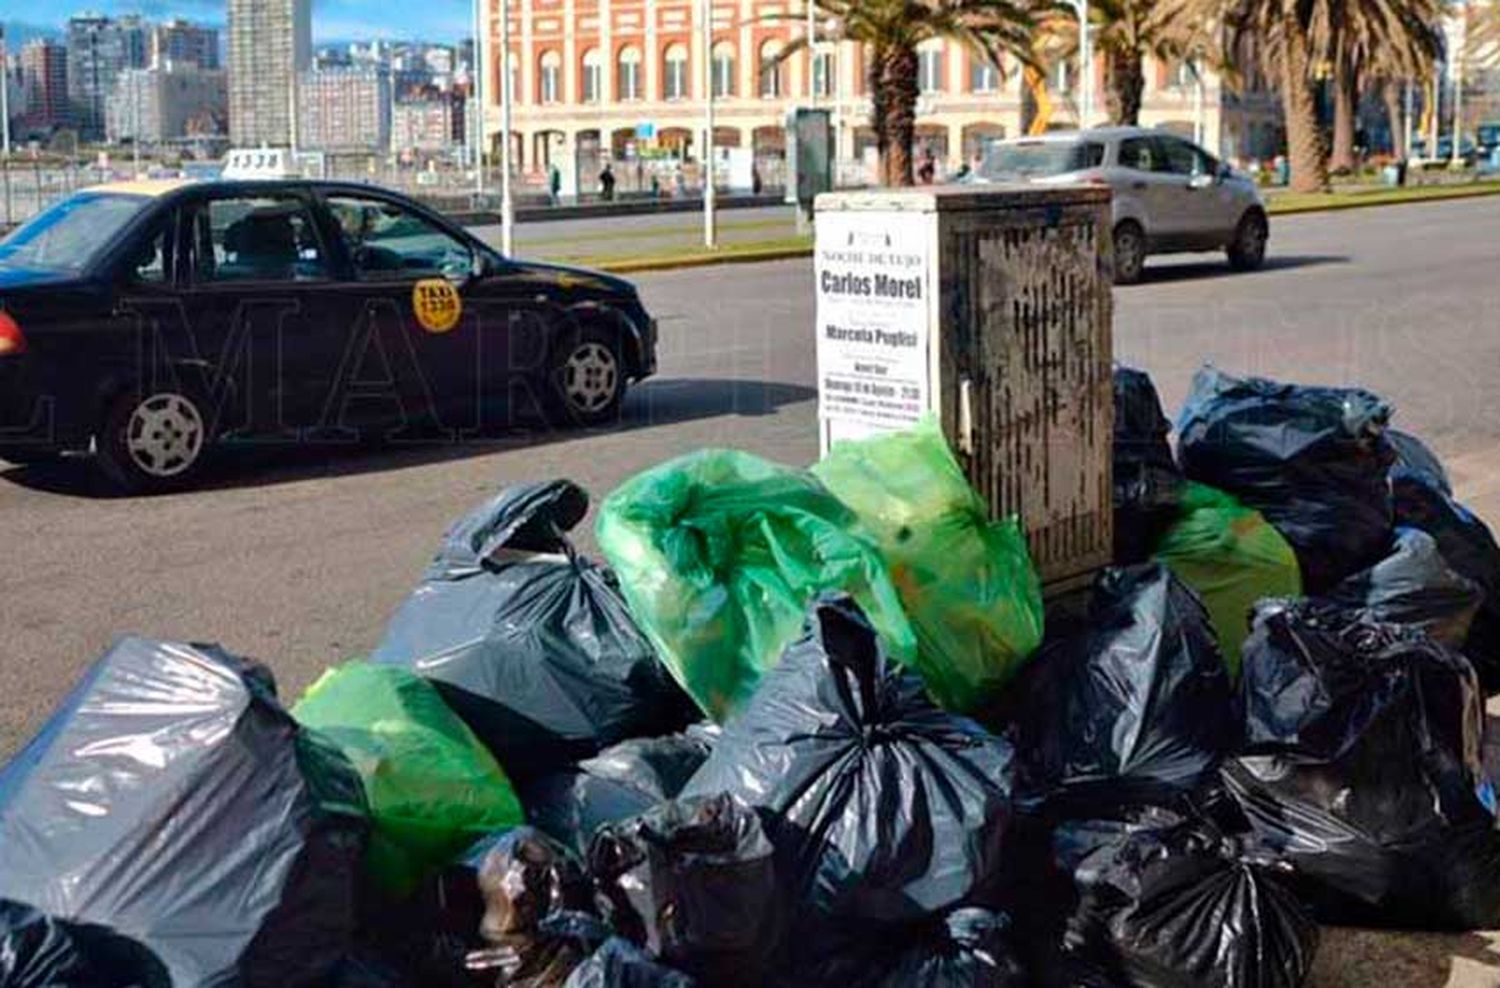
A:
x,y
586,378
1130,253
1247,251
154,442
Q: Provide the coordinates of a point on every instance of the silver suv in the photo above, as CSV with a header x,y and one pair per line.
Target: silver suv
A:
x,y
1169,194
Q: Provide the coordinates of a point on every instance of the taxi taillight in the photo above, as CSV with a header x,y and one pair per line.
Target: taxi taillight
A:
x,y
12,340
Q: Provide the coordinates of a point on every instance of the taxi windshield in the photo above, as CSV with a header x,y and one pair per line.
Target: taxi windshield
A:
x,y
67,236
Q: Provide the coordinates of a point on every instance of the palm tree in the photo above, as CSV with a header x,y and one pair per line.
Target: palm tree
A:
x,y
1366,39
1287,36
1125,32
892,30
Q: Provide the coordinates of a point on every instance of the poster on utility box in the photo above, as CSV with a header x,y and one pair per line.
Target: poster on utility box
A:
x,y
872,315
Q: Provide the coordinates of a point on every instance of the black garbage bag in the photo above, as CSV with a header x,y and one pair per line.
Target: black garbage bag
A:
x,y
694,882
1184,906
537,899
1466,544
884,808
174,802
530,643
1415,456
1414,587
1136,705
1362,767
618,963
969,947
620,782
1313,460
38,951
1147,483
424,937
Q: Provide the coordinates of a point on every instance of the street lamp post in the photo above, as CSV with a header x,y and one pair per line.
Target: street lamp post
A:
x,y
507,199
135,137
1406,123
1458,88
1085,65
710,194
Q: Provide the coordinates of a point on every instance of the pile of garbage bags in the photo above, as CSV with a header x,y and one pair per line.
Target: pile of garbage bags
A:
x,y
813,727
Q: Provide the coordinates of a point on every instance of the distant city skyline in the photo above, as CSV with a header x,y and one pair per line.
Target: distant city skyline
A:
x,y
446,21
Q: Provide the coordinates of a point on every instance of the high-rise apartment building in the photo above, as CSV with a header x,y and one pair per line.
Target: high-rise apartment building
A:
x,y
182,42
98,48
166,101
270,46
345,110
44,80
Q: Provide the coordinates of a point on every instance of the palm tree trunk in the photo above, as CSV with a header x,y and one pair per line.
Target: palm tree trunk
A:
x,y
1390,90
879,113
1345,101
894,103
1306,151
1124,83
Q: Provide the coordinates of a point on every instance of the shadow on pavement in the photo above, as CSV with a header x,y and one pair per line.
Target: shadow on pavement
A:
x,y
655,403
1162,270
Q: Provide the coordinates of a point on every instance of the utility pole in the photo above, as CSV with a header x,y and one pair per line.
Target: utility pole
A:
x,y
1406,122
135,101
812,55
710,194
1198,122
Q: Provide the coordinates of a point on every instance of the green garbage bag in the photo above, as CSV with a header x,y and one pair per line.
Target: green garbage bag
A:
x,y
432,787
1232,557
719,553
967,583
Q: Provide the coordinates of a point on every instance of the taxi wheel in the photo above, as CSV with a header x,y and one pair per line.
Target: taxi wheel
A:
x,y
586,378
155,440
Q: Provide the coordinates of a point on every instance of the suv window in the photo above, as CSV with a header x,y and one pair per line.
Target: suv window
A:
x,y
1182,158
1139,153
257,238
1025,159
387,242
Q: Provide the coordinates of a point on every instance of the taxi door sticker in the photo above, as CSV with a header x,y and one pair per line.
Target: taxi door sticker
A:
x,y
436,304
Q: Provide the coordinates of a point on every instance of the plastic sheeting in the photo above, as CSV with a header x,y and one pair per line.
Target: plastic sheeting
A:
x,y
529,643
693,881
720,552
1362,766
884,809
1134,706
172,801
432,788
967,582
1232,558
1147,483
1313,460
37,951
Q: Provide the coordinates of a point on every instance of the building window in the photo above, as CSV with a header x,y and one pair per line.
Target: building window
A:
x,y
593,76
983,77
930,67
723,69
675,78
551,77
630,74
771,68
823,72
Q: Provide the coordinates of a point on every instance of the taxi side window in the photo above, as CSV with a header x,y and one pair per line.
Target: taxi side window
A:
x,y
389,243
256,238
151,262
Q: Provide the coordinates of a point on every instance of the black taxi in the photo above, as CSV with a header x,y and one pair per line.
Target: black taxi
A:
x,y
149,320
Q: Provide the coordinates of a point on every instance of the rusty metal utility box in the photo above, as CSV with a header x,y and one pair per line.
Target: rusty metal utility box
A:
x,y
991,306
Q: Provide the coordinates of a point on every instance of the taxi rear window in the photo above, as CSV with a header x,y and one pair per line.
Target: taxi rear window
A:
x,y
69,235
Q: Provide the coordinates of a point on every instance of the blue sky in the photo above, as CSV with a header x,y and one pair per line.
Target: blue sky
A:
x,y
342,20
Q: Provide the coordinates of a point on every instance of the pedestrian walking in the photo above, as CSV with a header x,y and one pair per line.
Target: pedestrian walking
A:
x,y
607,183
554,183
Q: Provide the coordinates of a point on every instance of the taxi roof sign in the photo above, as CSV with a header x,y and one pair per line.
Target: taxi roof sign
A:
x,y
260,163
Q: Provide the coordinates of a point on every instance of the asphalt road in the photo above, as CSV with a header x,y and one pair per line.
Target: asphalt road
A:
x,y
299,558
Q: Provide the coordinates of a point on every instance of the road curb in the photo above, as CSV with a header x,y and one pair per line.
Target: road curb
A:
x,y
704,260
730,256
